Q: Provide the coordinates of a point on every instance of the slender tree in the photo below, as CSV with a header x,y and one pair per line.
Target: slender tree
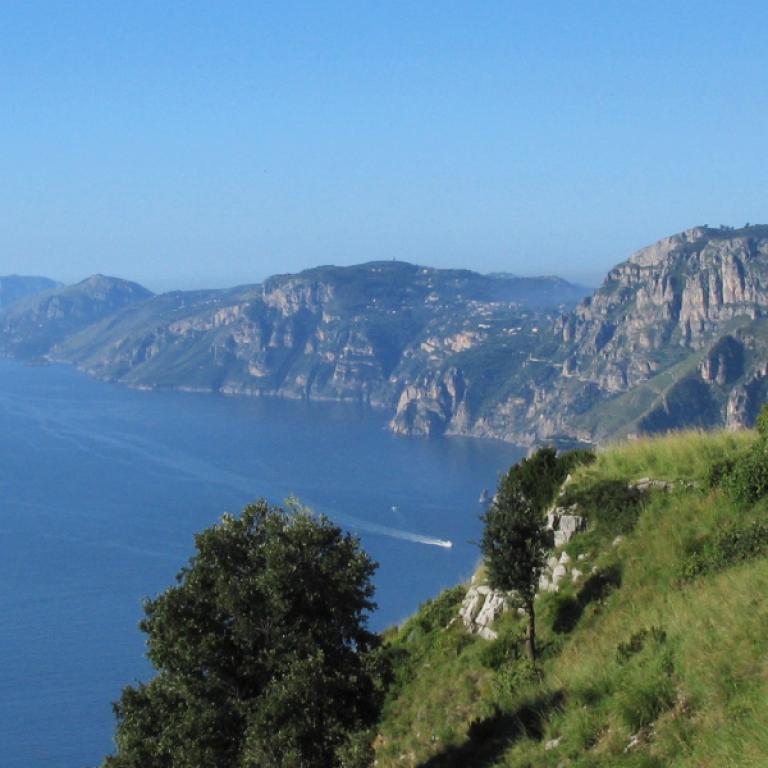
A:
x,y
514,541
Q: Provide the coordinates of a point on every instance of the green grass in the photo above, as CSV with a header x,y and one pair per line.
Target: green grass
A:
x,y
684,456
631,651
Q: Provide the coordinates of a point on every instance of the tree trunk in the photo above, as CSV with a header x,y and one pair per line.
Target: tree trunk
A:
x,y
530,636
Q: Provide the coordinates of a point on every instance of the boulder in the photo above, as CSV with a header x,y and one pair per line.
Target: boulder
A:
x,y
572,523
495,604
487,633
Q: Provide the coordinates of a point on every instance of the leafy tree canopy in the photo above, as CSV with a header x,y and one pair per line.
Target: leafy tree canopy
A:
x,y
262,651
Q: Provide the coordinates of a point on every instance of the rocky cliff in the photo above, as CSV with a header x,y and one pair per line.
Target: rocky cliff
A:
x,y
674,337
360,333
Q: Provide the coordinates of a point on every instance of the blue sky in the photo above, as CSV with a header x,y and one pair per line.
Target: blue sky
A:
x,y
185,144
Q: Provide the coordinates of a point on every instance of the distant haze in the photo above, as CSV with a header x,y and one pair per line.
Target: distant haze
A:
x,y
187,144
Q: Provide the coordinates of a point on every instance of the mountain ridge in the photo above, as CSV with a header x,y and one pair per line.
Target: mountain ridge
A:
x,y
341,333
16,287
34,323
673,337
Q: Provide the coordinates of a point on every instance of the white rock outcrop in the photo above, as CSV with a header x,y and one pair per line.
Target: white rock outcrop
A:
x,y
564,524
482,606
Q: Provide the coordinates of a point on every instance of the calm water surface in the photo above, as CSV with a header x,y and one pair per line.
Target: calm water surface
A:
x,y
102,488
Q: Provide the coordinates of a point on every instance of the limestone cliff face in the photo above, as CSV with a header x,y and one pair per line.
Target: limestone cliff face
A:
x,y
666,304
283,340
434,404
677,293
678,324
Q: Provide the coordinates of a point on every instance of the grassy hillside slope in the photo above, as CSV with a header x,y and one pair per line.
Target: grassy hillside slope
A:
x,y
657,656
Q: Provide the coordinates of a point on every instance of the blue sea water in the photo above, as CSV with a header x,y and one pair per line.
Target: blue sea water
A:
x,y
102,489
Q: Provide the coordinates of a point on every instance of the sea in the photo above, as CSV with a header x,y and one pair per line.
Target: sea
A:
x,y
102,489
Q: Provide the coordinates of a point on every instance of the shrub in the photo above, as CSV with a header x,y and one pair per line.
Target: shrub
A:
x,y
725,548
507,647
435,614
747,480
719,472
357,751
576,458
745,477
611,505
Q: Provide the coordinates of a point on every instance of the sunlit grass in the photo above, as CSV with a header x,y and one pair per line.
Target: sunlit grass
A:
x,y
684,455
690,685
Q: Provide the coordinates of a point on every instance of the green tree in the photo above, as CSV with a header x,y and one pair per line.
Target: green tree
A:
x,y
262,651
515,540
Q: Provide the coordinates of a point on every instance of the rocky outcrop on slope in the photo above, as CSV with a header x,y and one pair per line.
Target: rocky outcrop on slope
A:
x,y
482,604
481,607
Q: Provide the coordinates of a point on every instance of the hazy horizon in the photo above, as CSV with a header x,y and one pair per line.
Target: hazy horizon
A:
x,y
187,144
179,284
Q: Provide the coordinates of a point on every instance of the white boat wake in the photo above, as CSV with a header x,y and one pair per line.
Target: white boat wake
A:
x,y
393,533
